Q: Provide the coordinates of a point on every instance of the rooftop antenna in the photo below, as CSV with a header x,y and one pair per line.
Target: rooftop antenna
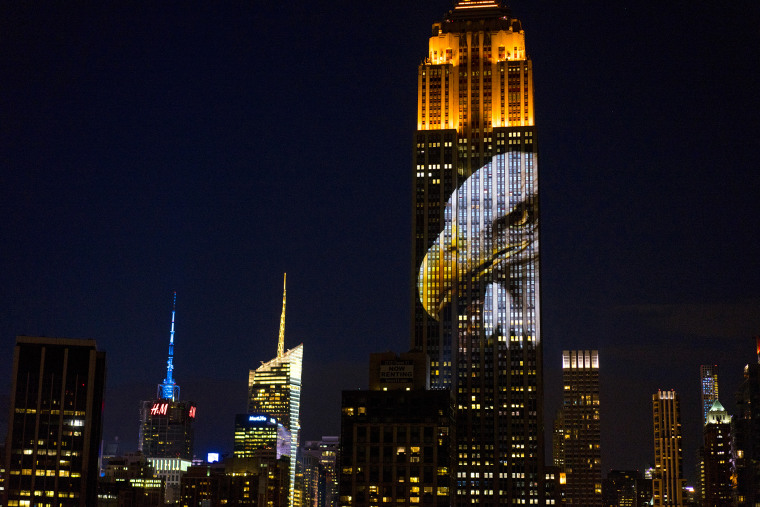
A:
x,y
169,390
281,342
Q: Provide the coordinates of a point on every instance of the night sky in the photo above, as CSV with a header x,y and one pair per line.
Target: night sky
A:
x,y
209,147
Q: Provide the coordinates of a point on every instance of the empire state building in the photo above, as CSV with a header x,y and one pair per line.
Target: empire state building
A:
x,y
476,249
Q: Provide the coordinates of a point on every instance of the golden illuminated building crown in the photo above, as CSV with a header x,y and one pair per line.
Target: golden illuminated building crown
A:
x,y
469,78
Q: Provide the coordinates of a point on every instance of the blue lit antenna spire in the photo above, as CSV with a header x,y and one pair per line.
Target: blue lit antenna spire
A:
x,y
169,389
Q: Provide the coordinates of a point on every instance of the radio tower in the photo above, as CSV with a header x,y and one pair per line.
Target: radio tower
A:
x,y
169,390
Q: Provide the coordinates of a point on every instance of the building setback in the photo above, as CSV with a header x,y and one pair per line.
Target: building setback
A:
x,y
55,422
475,254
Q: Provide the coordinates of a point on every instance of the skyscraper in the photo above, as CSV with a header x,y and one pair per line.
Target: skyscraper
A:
x,y
582,433
274,388
668,482
717,456
55,422
166,423
708,375
475,248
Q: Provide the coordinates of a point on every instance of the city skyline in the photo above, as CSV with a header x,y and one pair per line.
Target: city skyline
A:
x,y
139,161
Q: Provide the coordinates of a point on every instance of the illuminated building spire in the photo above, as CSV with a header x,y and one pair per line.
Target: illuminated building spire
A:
x,y
281,342
169,389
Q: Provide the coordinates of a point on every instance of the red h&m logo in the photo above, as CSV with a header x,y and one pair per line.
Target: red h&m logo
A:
x,y
159,409
192,413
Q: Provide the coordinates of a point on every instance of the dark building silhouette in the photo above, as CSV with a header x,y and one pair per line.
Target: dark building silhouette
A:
x,y
395,447
475,257
395,443
626,488
747,435
55,422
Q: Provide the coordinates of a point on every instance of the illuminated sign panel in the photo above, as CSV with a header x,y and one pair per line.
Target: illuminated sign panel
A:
x,y
191,413
398,371
159,408
262,419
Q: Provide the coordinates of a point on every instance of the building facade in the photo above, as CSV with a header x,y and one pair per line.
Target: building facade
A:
x,y
260,435
130,480
327,452
668,482
166,429
55,422
395,448
475,248
582,432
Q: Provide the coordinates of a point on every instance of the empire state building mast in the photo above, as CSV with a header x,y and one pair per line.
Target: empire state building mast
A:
x,y
169,390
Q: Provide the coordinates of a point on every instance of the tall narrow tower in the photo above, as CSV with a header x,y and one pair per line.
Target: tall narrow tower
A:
x,y
169,390
668,482
274,389
475,248
708,374
582,435
717,456
166,423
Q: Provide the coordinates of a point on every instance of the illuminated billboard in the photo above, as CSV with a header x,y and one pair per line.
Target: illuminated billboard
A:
x,y
161,407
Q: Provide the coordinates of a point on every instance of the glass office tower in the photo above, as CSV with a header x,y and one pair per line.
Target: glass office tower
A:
x,y
475,249
274,388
